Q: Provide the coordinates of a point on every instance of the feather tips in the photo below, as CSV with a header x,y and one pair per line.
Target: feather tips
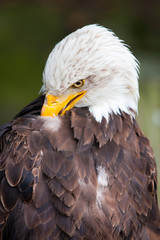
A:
x,y
52,178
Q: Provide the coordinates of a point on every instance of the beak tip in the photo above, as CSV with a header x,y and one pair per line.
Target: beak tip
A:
x,y
60,106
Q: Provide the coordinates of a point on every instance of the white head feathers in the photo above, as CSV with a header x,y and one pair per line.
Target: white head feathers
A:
x,y
94,53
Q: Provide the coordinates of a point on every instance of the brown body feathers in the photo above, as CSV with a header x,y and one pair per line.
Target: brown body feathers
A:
x,y
49,187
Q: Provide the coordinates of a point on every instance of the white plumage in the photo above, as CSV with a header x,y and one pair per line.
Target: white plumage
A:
x,y
95,54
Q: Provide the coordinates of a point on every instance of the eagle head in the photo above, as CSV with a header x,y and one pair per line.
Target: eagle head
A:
x,y
91,68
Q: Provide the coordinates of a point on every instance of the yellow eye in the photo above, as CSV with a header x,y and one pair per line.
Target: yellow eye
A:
x,y
78,84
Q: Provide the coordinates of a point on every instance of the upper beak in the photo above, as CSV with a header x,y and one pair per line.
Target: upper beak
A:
x,y
54,105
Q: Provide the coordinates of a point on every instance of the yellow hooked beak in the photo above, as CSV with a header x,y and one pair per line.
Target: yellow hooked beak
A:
x,y
59,105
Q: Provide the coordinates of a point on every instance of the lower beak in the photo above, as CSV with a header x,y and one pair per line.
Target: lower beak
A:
x,y
59,105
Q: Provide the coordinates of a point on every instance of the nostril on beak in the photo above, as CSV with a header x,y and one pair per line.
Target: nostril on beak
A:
x,y
51,99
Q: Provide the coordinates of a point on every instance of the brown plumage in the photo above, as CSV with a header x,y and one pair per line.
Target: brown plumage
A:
x,y
49,178
87,172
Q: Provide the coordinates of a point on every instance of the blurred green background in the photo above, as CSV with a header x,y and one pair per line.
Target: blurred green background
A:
x,y
30,29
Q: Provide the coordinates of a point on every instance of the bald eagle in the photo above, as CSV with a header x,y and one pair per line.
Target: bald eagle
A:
x,y
74,163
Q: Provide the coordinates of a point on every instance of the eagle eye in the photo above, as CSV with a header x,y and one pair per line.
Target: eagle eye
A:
x,y
78,84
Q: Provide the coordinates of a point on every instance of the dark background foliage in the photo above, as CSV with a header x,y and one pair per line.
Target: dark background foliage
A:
x,y
30,29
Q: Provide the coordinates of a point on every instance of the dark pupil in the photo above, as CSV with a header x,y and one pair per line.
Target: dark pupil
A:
x,y
78,83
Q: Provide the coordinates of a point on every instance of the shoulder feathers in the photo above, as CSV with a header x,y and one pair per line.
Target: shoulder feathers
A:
x,y
88,174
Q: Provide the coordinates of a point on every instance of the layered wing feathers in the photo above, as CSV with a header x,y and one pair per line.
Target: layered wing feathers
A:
x,y
78,180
